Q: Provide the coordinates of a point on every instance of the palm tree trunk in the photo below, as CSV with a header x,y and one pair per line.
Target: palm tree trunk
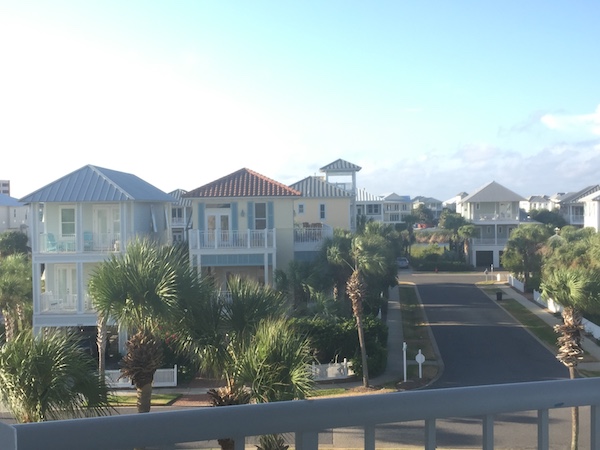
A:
x,y
101,338
144,398
9,325
574,417
363,350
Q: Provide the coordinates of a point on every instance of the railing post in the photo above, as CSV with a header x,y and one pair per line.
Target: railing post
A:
x,y
430,436
543,422
594,426
488,432
369,437
307,440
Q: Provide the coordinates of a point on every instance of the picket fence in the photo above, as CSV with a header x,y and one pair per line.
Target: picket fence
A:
x,y
553,307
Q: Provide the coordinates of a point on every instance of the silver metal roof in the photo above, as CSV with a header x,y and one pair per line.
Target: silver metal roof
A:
x,y
363,196
96,184
492,192
339,165
7,200
319,188
177,194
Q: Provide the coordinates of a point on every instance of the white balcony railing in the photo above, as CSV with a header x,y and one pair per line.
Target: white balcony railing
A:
x,y
51,303
495,217
306,418
92,242
489,241
205,240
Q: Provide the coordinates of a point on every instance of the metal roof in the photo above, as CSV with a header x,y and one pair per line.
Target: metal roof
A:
x,y
7,200
318,187
97,184
363,196
244,183
339,165
492,192
178,194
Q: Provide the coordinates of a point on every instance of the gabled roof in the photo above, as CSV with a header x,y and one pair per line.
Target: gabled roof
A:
x,y
363,196
7,200
339,165
577,196
178,194
244,183
317,187
492,192
96,184
423,199
393,197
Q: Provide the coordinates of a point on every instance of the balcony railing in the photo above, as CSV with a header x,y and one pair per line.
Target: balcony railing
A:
x,y
489,241
92,242
306,418
58,303
205,240
495,217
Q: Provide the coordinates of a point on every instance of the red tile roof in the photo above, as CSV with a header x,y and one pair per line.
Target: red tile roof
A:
x,y
244,183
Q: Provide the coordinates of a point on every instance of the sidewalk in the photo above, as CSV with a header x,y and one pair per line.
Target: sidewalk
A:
x,y
589,346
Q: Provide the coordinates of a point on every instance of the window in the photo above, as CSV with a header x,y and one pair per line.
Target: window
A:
x,y
260,216
394,217
499,230
373,209
67,221
301,208
322,211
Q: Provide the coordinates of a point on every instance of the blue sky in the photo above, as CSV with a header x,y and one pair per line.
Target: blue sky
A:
x,y
429,98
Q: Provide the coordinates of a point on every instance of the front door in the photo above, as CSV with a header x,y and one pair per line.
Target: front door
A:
x,y
65,282
217,226
107,227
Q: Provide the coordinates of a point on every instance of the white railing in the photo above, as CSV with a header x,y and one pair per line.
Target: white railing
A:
x,y
311,238
92,242
162,378
494,217
306,418
200,240
57,303
489,241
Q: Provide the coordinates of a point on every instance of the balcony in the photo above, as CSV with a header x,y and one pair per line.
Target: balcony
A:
x,y
92,242
231,240
311,236
497,217
57,303
369,416
489,241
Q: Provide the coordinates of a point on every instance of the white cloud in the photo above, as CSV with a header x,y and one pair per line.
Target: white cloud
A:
x,y
588,123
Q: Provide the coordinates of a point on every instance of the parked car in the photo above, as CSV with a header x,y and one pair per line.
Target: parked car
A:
x,y
402,262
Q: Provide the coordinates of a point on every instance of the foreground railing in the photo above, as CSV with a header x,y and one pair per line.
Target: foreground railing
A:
x,y
306,418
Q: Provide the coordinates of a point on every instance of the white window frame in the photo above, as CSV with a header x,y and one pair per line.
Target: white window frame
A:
x,y
63,223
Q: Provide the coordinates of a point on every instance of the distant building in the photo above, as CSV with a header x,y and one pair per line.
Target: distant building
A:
x,y
5,187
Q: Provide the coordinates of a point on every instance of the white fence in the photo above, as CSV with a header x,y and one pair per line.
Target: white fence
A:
x,y
553,307
162,378
331,371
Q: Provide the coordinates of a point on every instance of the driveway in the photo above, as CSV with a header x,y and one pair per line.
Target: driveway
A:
x,y
479,342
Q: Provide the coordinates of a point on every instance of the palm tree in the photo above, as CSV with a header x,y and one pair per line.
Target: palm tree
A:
x,y
15,292
368,255
243,338
576,290
50,378
466,233
147,287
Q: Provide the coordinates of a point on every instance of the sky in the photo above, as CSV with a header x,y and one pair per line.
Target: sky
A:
x,y
428,98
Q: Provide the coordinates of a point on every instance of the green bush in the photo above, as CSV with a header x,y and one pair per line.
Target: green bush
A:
x,y
376,359
337,339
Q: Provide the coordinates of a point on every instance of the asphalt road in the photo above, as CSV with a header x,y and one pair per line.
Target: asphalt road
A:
x,y
479,342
